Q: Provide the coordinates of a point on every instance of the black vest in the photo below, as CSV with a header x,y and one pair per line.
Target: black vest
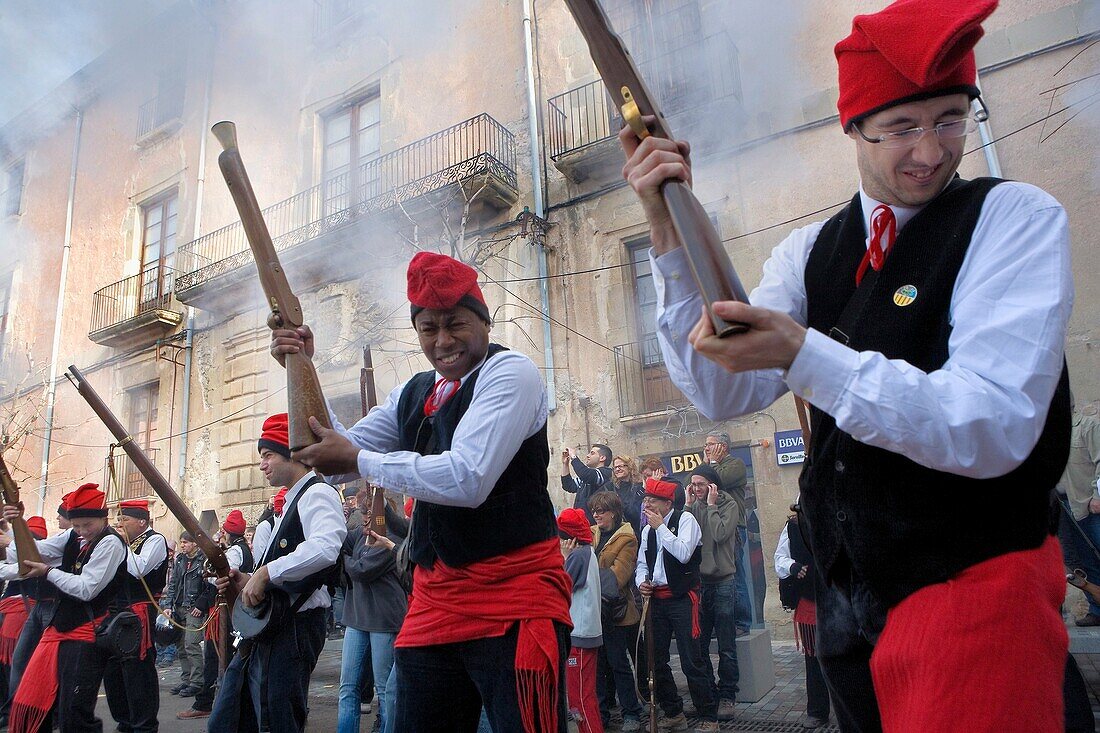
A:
x,y
248,562
132,590
72,612
289,536
681,577
517,512
903,526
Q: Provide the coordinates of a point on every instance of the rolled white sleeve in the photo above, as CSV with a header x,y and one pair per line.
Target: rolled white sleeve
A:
x,y
96,574
982,412
507,407
783,559
9,571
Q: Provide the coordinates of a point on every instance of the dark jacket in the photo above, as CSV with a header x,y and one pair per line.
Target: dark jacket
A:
x,y
587,483
374,600
186,584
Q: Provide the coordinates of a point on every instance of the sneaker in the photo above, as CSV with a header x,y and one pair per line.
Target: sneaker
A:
x,y
1088,620
727,709
192,714
631,723
675,722
811,723
707,726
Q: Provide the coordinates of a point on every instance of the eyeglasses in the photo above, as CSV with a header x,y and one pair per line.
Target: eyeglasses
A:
x,y
600,511
697,485
945,131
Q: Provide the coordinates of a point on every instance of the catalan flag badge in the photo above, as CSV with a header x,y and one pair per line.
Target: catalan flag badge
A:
x,y
905,295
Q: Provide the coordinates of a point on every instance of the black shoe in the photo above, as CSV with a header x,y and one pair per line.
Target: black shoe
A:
x,y
176,690
189,691
1088,620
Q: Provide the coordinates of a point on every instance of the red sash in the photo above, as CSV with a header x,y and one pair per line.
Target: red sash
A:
x,y
529,586
38,688
15,610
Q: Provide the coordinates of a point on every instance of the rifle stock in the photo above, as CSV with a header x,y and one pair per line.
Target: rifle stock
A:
x,y
25,544
647,622
369,394
710,265
304,396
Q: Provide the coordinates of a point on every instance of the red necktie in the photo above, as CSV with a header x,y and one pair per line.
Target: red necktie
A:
x,y
444,389
884,230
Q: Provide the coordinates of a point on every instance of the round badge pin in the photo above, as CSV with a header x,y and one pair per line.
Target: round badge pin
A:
x,y
282,544
905,295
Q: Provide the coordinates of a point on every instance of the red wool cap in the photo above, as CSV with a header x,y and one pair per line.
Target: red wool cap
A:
x,y
234,523
38,527
87,501
440,282
137,508
659,489
909,50
279,501
574,522
275,435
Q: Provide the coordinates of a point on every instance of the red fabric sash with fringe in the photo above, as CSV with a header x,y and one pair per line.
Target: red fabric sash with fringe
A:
x,y
15,610
528,585
213,624
38,688
805,626
664,593
141,610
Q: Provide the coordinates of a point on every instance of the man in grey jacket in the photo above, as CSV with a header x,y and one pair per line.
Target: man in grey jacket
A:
x,y
717,513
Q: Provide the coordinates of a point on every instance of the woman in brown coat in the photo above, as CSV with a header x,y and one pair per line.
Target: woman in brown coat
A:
x,y
616,549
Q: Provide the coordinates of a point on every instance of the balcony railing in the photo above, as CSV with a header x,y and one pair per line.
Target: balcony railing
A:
x,y
643,381
478,146
131,484
681,80
159,111
129,298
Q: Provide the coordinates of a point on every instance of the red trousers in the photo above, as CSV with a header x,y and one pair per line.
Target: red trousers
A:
x,y
580,682
984,651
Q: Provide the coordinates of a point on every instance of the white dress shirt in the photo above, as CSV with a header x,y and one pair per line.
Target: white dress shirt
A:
x,y
324,528
96,573
50,548
980,414
260,538
783,559
508,407
153,553
680,545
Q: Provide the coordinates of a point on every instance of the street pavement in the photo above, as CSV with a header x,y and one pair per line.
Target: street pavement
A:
x,y
779,711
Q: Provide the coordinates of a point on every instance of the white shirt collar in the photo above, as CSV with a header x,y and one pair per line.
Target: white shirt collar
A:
x,y
901,213
293,490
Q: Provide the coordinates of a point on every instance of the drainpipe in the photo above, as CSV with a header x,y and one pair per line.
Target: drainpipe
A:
x,y
200,188
992,162
51,386
540,207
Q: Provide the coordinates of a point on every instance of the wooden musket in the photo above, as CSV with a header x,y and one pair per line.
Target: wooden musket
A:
x,y
369,394
304,397
25,545
710,265
647,626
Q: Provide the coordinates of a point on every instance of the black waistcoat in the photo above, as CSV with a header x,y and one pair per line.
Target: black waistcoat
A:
x,y
517,512
290,535
901,525
681,576
71,612
248,562
132,590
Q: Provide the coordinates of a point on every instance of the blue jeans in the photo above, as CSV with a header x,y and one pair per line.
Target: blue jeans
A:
x,y
1090,525
461,679
716,619
274,678
615,676
743,607
357,644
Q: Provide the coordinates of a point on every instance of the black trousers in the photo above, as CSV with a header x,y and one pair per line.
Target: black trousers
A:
x,y
679,618
442,688
80,668
133,693
273,677
817,692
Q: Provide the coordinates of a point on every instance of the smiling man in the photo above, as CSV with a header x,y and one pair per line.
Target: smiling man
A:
x,y
925,324
488,621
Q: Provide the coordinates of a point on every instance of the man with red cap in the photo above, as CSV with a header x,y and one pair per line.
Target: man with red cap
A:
x,y
239,556
131,685
16,604
268,684
468,441
925,325
667,573
67,666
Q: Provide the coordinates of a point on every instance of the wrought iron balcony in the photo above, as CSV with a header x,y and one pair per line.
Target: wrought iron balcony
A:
x,y
156,116
643,382
583,122
135,309
479,155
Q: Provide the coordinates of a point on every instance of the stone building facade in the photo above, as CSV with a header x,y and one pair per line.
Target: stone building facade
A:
x,y
370,134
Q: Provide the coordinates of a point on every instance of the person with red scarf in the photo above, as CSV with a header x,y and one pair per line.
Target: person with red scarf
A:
x,y
16,605
67,666
131,685
468,441
925,324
